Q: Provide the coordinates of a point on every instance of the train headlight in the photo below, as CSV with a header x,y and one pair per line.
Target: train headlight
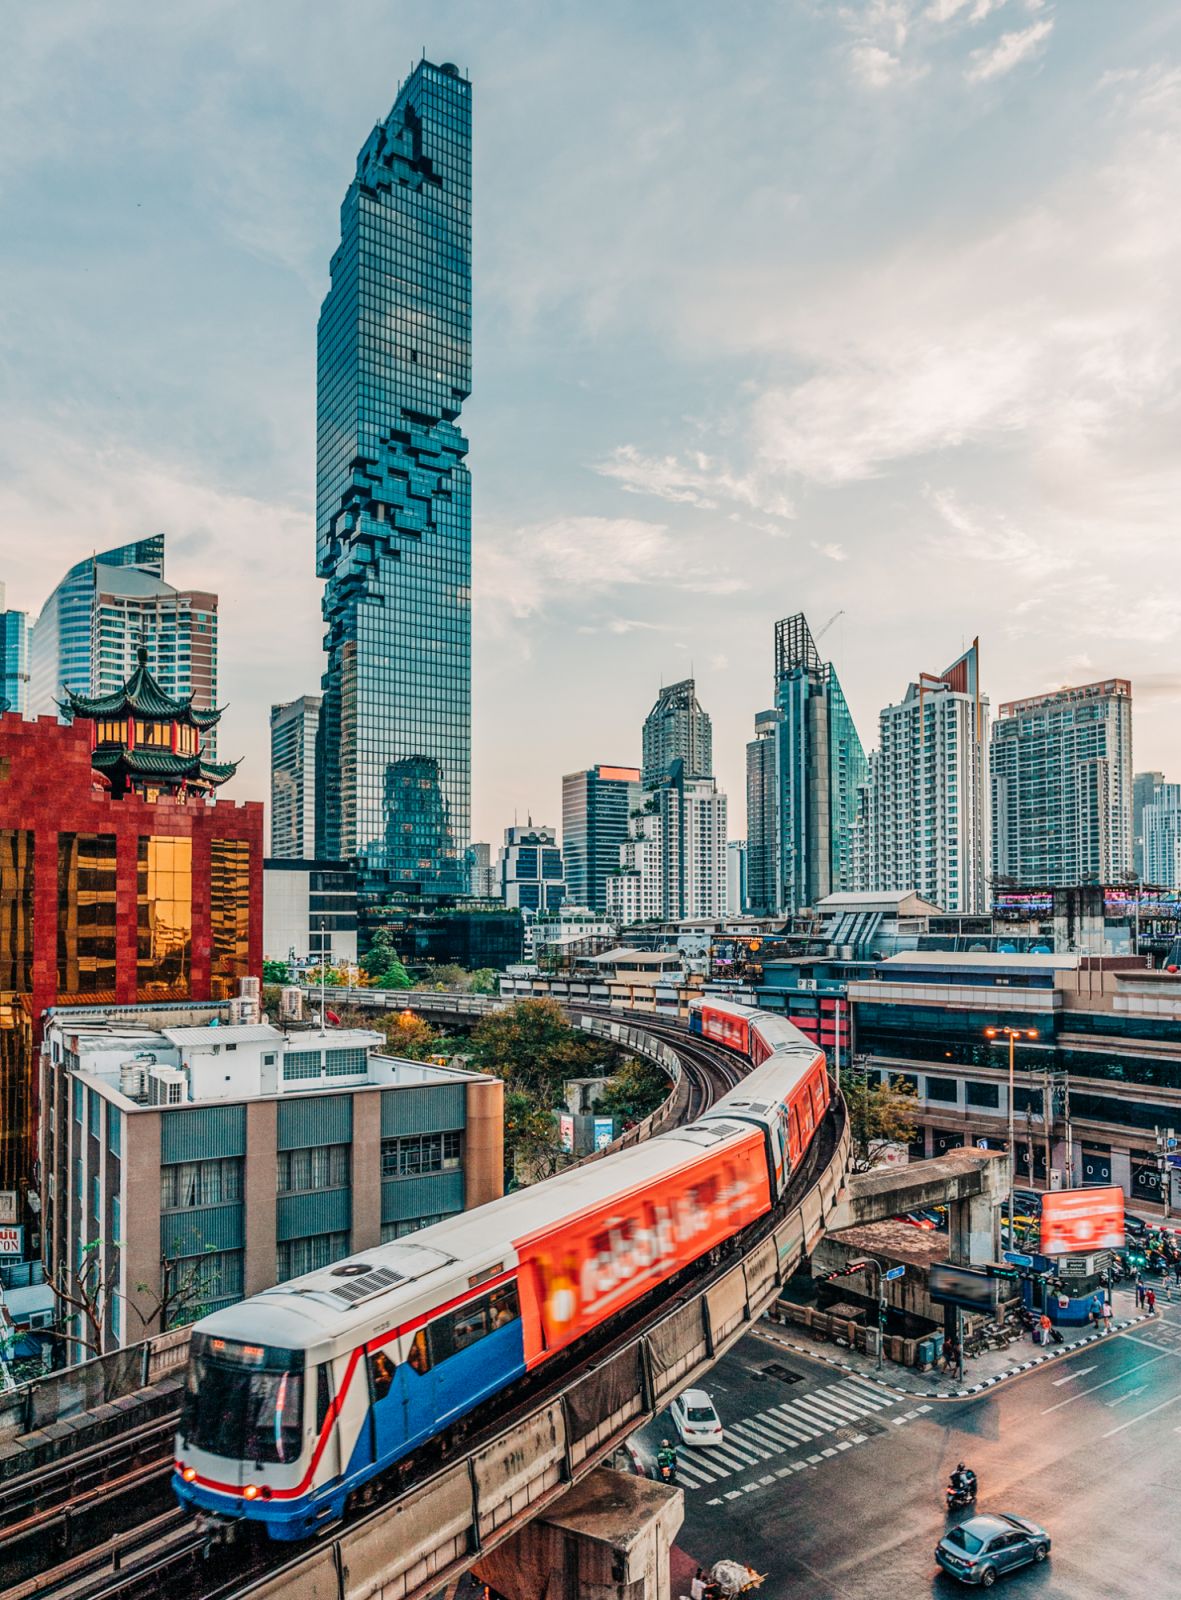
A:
x,y
189,1474
250,1492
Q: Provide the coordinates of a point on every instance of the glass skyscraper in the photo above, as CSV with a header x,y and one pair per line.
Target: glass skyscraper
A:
x,y
393,519
14,659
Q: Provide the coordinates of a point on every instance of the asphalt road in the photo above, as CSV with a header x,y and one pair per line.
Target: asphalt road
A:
x,y
834,1489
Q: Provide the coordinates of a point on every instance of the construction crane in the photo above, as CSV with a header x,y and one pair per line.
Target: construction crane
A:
x,y
816,638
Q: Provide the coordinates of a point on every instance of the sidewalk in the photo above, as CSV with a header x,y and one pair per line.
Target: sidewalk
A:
x,y
980,1372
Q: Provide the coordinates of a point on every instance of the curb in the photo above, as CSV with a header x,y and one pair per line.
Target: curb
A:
x,y
957,1394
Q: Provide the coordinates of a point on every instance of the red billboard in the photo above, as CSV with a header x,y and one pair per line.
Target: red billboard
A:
x,y
1078,1222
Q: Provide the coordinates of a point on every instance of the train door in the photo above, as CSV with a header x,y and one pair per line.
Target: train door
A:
x,y
321,1395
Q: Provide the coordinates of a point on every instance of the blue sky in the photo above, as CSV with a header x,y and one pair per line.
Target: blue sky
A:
x,y
778,306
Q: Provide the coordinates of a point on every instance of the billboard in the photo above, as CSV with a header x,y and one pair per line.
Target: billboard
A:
x,y
566,1131
971,1287
7,1205
1081,1221
604,1132
12,1242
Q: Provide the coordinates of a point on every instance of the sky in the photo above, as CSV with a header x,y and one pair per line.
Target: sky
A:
x,y
864,308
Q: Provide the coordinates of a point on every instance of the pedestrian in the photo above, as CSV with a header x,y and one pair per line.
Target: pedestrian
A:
x,y
1044,1326
1139,1293
1150,1301
1107,1316
1095,1314
697,1587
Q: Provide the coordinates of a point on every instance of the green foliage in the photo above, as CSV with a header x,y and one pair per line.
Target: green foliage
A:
x,y
533,1048
276,972
449,976
634,1092
408,1034
532,1141
880,1114
395,976
380,956
485,980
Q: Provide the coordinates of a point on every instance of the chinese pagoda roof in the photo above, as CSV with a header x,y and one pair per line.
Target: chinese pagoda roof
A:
x,y
161,766
141,696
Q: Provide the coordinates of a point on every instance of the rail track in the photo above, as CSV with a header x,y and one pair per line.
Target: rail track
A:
x,y
77,1530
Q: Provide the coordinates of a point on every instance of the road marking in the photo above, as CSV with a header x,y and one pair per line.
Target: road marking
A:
x,y
1131,1395
1081,1373
1082,1393
1132,1421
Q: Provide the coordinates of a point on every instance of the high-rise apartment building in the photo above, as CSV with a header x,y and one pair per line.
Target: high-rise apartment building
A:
x,y
673,866
14,659
596,805
1061,768
762,815
1162,837
91,628
532,877
483,877
926,800
677,729
294,726
635,889
393,519
1144,787
735,877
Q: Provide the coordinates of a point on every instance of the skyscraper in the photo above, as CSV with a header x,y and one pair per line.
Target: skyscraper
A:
x,y
926,800
677,729
393,520
1062,786
89,632
294,726
735,877
530,869
1144,787
1162,837
762,815
596,805
14,659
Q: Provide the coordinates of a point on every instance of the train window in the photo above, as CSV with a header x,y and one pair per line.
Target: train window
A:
x,y
418,1355
381,1374
470,1324
323,1395
504,1305
818,1096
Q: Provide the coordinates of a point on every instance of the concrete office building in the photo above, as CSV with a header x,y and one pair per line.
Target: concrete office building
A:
x,y
924,818
209,1161
1144,787
736,877
309,911
1161,825
1061,774
596,806
762,815
531,873
294,726
677,729
483,877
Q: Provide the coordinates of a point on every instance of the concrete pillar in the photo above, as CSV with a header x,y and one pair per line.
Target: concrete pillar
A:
x,y
974,1230
260,1208
607,1538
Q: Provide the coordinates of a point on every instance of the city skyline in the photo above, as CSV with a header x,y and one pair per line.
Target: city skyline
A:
x,y
1020,464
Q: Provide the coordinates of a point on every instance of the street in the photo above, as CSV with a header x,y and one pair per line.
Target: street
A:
x,y
834,1487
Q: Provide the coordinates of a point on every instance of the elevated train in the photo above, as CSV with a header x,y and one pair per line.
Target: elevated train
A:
x,y
299,1397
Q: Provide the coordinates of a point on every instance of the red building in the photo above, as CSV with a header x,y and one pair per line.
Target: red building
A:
x,y
121,880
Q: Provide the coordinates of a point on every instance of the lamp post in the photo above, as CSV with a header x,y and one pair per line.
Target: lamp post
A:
x,y
1012,1034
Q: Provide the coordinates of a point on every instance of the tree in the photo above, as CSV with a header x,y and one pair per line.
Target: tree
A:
x,y
880,1115
447,975
408,1034
187,1286
485,980
276,972
532,1047
634,1092
532,1140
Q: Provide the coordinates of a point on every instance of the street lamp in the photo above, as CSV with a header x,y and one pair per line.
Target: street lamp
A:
x,y
1012,1034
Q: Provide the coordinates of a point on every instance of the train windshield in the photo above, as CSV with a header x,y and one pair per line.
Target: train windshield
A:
x,y
243,1401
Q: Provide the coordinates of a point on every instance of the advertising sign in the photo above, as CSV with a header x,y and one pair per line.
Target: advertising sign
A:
x,y
7,1205
961,1286
566,1130
1081,1221
12,1242
604,1132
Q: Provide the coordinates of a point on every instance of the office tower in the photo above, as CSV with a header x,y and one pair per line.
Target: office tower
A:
x,y
1144,787
532,876
677,729
762,815
928,805
90,630
673,864
596,805
14,659
735,877
294,726
1062,786
1162,838
393,517
483,877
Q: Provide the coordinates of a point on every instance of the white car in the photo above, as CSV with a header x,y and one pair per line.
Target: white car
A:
x,y
695,1419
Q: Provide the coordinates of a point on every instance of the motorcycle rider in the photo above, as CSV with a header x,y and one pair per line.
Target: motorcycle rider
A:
x,y
963,1481
666,1460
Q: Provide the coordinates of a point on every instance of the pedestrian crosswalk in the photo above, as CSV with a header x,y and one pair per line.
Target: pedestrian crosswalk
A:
x,y
795,1434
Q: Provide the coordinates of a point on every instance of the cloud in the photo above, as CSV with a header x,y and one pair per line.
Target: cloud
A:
x,y
834,552
878,68
1010,50
697,480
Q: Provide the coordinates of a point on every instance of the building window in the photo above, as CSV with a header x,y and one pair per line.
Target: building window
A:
x,y
982,1094
301,1064
419,1153
326,1167
200,1183
229,914
346,1063
165,897
195,1285
86,876
297,1256
114,1130
399,1230
94,1114
942,1089
116,1221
